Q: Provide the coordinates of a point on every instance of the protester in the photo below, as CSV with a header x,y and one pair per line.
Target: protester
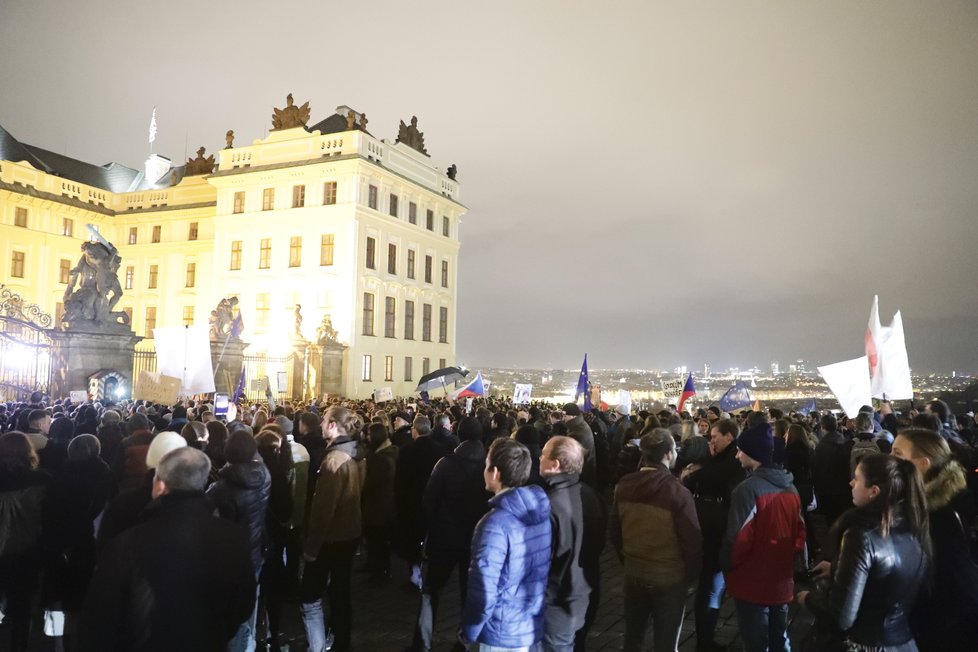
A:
x,y
578,430
831,471
379,516
415,460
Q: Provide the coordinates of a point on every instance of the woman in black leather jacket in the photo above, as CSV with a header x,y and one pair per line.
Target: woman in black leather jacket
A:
x,y
882,559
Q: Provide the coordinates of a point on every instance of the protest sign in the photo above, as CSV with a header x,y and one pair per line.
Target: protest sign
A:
x,y
156,387
78,395
522,393
383,394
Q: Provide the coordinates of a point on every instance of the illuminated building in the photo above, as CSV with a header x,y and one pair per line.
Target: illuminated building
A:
x,y
324,216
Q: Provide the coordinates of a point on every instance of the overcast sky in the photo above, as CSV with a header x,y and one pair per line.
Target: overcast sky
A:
x,y
658,184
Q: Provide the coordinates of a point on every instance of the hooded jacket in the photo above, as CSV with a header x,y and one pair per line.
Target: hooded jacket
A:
x,y
455,498
335,513
764,533
510,562
241,495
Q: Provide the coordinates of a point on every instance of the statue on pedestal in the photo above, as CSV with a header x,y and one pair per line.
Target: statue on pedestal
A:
x,y
229,139
222,318
298,321
94,290
325,333
291,116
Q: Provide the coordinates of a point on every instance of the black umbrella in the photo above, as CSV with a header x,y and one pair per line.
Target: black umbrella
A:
x,y
440,378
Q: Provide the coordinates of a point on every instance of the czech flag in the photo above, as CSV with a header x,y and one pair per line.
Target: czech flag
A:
x,y
474,388
689,391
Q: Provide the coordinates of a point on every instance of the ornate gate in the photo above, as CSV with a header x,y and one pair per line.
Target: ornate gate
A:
x,y
25,347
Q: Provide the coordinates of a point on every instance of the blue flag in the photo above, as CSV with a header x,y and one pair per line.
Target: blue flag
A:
x,y
808,408
584,387
237,326
240,389
737,397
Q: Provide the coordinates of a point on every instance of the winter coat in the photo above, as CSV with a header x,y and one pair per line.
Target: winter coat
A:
x,y
831,471
21,500
579,430
875,581
378,487
123,511
946,617
655,529
241,495
764,533
799,461
712,485
335,513
510,562
455,498
566,586
299,481
402,437
445,439
134,449
315,446
181,580
415,462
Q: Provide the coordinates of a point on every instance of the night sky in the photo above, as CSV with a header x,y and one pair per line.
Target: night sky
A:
x,y
658,184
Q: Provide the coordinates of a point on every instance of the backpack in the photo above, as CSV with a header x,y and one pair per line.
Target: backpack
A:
x,y
860,449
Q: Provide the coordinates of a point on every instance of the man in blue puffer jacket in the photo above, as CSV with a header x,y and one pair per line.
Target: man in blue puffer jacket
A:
x,y
510,558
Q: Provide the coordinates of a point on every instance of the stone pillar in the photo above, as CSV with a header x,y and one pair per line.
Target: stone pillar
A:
x,y
298,371
227,373
76,355
331,369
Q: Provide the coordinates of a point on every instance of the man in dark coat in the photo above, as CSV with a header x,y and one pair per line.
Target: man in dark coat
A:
x,y
414,464
831,472
379,519
567,589
442,434
403,434
134,448
454,500
311,437
181,580
578,430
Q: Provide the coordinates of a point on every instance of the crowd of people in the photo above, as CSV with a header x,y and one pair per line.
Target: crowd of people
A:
x,y
136,526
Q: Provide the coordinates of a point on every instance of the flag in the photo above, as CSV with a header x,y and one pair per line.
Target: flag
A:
x,y
736,398
583,387
886,353
237,326
240,389
184,352
808,408
689,391
849,382
474,388
152,127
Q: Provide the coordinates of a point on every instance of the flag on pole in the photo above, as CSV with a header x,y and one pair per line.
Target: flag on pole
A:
x,y
474,388
689,391
737,397
237,326
152,127
808,408
886,353
584,387
240,389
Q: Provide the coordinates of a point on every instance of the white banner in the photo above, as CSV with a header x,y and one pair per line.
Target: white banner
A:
x,y
184,352
522,394
849,381
383,394
78,395
624,401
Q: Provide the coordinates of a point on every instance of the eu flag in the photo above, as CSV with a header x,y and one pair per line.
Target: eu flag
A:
x,y
737,397
584,387
240,389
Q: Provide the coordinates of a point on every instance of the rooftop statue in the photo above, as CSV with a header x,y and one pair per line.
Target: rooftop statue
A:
x,y
452,172
229,139
94,290
410,136
200,165
222,318
291,116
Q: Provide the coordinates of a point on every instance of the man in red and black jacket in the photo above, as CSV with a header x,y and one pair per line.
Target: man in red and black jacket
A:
x,y
765,532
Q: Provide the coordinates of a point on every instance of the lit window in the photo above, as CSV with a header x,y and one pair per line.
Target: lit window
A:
x,y
262,309
295,251
329,193
371,253
130,273
192,235
298,196
67,227
154,271
367,367
368,313
408,363
326,250
64,271
235,255
191,274
410,263
17,264
188,315
133,233
393,205
157,231
389,367
443,325
390,316
412,213
20,217
150,321
268,199
409,320
392,259
426,322
265,253
372,197
239,199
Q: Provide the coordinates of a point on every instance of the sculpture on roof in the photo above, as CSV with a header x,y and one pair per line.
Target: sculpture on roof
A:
x,y
363,122
222,318
229,139
291,116
452,172
94,290
410,136
351,120
199,165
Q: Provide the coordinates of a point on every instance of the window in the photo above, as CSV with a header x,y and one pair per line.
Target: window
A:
x,y
64,271
427,269
235,255
392,259
430,220
157,231
268,199
368,363
368,313
188,315
298,196
389,367
265,253
191,274
67,227
390,316
20,217
412,213
443,325
194,228
133,233
444,273
445,226
409,320
295,251
425,366
371,253
262,308
17,264
441,363
392,209
326,250
426,322
408,363
130,273
329,193
239,202
154,271
372,196
150,321
410,263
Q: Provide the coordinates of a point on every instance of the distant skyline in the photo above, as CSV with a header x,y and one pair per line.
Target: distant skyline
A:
x,y
656,184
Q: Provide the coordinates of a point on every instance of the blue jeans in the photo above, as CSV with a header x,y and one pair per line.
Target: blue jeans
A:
x,y
330,574
763,628
666,606
709,595
244,639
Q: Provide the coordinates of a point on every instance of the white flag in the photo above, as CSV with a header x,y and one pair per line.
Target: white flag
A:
x,y
849,382
184,352
152,127
624,402
894,365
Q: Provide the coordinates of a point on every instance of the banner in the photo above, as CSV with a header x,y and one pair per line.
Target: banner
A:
x,y
672,388
522,393
624,401
156,387
78,395
383,394
184,352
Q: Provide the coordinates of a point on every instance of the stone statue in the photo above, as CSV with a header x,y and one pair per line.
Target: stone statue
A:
x,y
229,139
452,172
199,165
222,318
94,290
351,120
326,334
363,121
298,320
410,136
291,116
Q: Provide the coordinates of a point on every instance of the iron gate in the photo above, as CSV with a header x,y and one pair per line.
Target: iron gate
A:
x,y
25,347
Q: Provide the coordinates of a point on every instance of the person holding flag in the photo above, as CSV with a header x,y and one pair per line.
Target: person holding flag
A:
x,y
689,391
584,387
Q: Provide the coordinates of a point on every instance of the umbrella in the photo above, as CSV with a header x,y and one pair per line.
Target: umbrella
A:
x,y
440,378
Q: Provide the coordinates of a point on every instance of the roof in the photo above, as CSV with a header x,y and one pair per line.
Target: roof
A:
x,y
334,124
